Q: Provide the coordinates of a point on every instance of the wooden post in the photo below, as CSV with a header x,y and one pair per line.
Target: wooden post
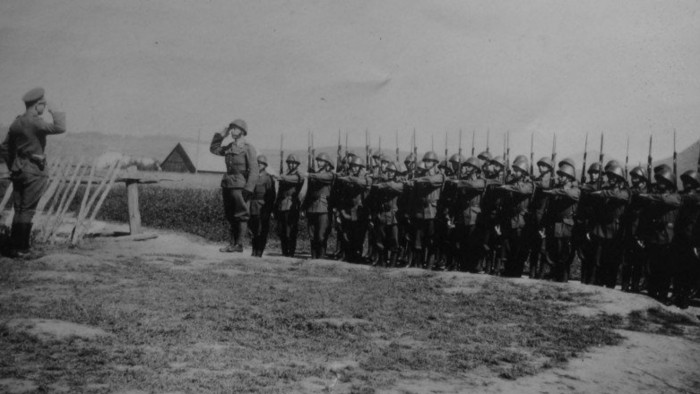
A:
x,y
132,190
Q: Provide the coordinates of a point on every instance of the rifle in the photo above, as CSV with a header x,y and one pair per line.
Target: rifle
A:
x,y
398,159
627,156
379,153
308,149
432,143
507,156
339,153
488,132
649,174
600,161
532,154
554,159
367,153
446,158
415,154
585,157
282,154
473,136
675,161
459,151
313,154
505,165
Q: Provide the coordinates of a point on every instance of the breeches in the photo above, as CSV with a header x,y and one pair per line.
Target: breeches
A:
x,y
319,227
27,190
236,208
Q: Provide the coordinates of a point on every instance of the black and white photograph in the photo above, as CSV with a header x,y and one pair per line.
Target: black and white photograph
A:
x,y
388,196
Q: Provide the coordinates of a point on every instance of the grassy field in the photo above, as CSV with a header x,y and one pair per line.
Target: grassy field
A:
x,y
275,328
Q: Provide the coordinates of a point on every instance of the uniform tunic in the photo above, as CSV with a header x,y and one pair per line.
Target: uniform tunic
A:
x,y
23,151
559,225
241,174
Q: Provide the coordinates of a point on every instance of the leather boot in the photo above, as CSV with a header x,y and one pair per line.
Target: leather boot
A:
x,y
231,247
393,258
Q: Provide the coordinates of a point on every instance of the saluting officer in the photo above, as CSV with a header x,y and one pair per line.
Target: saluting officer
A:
x,y
238,183
261,208
287,206
23,151
316,204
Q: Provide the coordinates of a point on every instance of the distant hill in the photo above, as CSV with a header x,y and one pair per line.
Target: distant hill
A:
x,y
687,159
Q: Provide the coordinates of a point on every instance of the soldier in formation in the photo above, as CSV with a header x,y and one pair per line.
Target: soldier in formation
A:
x,y
485,214
261,205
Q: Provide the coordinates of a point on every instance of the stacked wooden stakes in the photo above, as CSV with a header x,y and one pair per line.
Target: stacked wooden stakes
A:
x,y
65,178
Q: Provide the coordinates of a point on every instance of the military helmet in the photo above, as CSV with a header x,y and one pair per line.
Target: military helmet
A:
x,y
499,162
613,169
376,154
239,124
400,168
546,162
662,167
430,156
639,172
391,167
612,163
567,167
410,158
292,159
595,167
262,159
349,154
323,156
691,178
384,158
521,163
357,161
421,166
664,174
474,163
443,164
485,156
456,158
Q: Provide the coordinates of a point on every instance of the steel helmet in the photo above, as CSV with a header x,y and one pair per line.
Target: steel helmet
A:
x,y
547,162
350,154
499,162
485,156
323,156
357,161
595,167
612,163
474,163
664,174
613,169
443,165
391,167
521,163
400,168
239,124
567,167
662,167
292,159
262,159
430,156
639,172
410,158
377,154
384,158
421,166
456,158
691,178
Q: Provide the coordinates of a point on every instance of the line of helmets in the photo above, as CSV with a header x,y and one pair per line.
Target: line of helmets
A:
x,y
567,167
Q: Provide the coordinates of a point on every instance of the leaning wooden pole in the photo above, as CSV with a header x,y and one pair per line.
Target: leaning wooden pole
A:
x,y
85,211
102,200
59,203
66,205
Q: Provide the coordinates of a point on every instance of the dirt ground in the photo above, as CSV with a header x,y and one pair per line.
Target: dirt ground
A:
x,y
661,358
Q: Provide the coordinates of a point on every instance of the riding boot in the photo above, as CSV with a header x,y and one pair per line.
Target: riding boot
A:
x,y
393,258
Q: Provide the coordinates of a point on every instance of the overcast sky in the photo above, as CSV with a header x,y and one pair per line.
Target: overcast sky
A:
x,y
180,67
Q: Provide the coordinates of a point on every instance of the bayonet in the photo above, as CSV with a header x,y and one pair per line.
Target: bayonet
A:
x,y
585,157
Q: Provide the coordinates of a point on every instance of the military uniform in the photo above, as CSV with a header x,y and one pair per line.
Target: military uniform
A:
x,y
662,213
515,210
466,211
387,195
238,184
686,275
354,213
287,210
635,232
426,193
23,151
585,221
261,205
534,223
318,211
608,235
559,225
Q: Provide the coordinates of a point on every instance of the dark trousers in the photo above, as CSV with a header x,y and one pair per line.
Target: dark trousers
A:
x,y
607,261
26,193
587,254
634,264
467,246
355,232
516,251
387,242
660,270
686,275
259,228
560,252
319,230
287,229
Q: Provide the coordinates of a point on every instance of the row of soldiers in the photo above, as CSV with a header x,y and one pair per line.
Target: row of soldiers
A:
x,y
479,214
